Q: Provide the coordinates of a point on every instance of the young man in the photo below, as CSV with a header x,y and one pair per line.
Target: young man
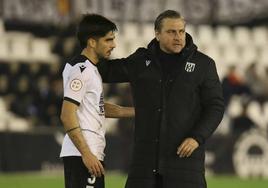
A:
x,y
83,108
178,105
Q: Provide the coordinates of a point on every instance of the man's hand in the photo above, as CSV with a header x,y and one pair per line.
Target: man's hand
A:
x,y
93,165
187,147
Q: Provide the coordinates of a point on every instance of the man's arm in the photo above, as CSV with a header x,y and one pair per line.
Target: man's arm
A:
x,y
116,111
120,70
72,128
212,113
211,97
114,71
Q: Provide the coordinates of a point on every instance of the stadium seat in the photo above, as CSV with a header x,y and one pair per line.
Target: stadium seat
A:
x,y
120,50
235,107
205,34
265,113
224,127
248,55
10,121
224,35
255,113
260,36
19,46
3,115
242,36
215,52
191,30
263,56
17,124
5,50
231,55
41,51
130,31
2,27
132,37
148,32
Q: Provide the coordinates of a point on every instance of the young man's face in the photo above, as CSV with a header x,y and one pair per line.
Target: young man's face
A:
x,y
105,45
172,35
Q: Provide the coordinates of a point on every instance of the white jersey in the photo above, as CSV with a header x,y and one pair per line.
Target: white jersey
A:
x,y
83,86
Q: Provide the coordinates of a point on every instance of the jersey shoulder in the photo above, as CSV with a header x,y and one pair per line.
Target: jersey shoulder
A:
x,y
78,66
79,59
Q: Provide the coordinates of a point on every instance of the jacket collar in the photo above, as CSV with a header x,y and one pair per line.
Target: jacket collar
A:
x,y
187,52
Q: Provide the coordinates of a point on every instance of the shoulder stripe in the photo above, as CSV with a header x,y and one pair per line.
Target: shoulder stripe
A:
x,y
71,100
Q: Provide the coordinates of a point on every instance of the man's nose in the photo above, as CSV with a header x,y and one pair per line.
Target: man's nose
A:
x,y
177,35
113,45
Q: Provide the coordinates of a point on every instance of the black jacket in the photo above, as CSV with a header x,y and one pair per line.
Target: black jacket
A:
x,y
188,103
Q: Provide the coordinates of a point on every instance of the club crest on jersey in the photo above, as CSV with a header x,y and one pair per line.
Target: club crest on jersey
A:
x,y
189,67
76,84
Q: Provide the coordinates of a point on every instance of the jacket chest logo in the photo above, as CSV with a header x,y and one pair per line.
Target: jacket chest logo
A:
x,y
189,67
147,62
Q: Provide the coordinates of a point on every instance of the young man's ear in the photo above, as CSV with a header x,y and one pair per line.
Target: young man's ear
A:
x,y
91,42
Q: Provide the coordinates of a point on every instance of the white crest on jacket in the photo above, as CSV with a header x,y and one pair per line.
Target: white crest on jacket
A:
x,y
189,67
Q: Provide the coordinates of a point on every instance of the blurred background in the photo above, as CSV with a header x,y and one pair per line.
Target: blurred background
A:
x,y
37,37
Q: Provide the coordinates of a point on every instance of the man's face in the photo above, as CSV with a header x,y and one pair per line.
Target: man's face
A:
x,y
105,45
172,35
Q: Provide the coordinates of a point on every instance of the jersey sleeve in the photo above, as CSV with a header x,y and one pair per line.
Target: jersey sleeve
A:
x,y
75,86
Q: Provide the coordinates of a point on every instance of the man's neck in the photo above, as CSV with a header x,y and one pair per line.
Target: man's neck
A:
x,y
90,55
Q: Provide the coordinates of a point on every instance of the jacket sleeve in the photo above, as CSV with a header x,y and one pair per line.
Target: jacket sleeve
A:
x,y
114,71
121,70
212,104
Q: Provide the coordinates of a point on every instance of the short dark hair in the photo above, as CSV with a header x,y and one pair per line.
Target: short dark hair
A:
x,y
163,15
93,26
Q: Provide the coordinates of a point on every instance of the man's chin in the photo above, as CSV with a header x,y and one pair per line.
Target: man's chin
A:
x,y
177,51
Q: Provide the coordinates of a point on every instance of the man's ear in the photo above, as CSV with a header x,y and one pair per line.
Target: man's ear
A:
x,y
91,42
156,35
